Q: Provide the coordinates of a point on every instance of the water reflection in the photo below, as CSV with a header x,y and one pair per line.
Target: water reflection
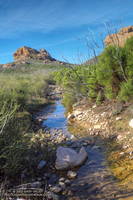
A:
x,y
56,119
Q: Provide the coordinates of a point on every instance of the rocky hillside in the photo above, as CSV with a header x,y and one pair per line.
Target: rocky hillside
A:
x,y
27,55
120,37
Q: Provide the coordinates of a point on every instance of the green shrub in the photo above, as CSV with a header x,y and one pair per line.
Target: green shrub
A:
x,y
77,82
109,72
68,100
129,54
110,78
19,90
126,91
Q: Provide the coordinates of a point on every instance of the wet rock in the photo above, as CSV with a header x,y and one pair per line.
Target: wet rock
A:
x,y
56,189
67,158
92,162
76,145
41,164
71,174
62,185
69,143
62,179
51,195
67,182
95,147
85,144
53,179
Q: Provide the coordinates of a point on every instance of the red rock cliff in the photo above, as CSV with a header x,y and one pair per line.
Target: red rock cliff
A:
x,y
120,37
26,53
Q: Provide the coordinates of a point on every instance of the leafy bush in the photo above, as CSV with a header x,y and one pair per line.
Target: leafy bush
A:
x,y
129,55
109,70
110,78
78,82
126,91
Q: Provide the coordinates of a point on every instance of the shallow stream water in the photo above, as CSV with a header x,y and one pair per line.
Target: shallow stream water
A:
x,y
95,180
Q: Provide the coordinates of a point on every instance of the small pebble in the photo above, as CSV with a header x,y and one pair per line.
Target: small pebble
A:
x,y
61,179
71,174
67,182
56,189
62,184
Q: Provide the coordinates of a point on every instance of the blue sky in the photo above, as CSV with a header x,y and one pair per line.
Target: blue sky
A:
x,y
59,26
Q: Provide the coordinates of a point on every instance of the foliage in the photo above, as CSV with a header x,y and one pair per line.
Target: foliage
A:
x,y
21,89
126,91
109,73
110,78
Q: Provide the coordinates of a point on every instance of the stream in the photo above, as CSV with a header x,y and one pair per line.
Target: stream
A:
x,y
94,179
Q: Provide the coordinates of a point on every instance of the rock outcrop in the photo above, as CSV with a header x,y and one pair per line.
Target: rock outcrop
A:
x,y
8,65
120,37
24,54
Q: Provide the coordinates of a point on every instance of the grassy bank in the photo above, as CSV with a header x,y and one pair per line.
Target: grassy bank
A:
x,y
22,90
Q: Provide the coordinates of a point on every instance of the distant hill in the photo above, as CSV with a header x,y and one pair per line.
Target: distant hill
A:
x,y
91,61
27,55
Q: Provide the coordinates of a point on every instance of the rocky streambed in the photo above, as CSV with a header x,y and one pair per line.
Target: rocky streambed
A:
x,y
90,179
93,178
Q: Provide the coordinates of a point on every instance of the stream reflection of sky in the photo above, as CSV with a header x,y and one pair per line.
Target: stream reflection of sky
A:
x,y
56,119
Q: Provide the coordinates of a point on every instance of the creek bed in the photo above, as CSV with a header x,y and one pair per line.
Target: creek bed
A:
x,y
95,180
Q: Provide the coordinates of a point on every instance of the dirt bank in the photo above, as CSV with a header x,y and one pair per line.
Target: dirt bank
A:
x,y
110,120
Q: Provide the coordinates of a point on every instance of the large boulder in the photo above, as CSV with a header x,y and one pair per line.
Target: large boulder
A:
x,y
68,158
120,37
